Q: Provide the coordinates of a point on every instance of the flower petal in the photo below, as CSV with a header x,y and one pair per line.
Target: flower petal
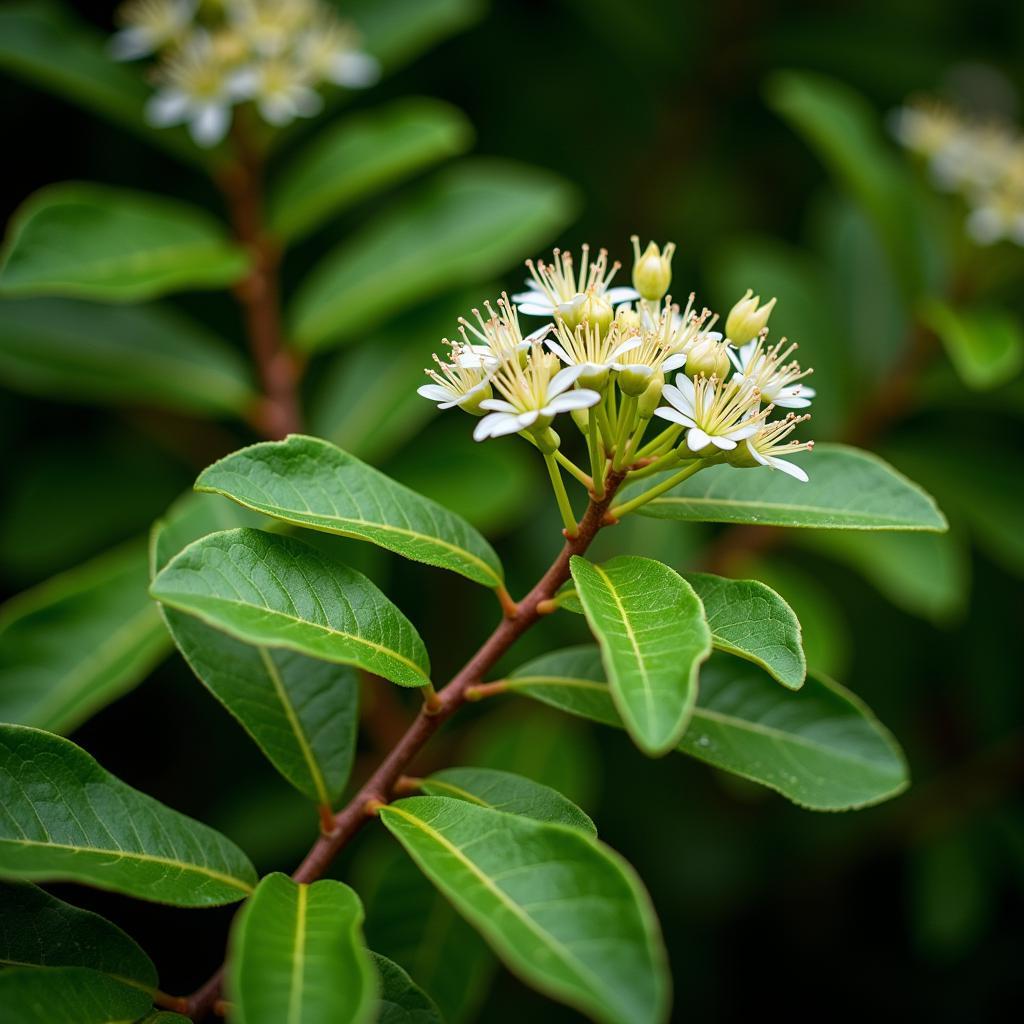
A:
x,y
210,124
531,306
674,415
563,380
581,399
674,362
616,296
696,439
496,424
790,468
499,405
436,393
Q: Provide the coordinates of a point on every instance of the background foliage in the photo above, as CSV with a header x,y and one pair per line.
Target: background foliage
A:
x,y
755,136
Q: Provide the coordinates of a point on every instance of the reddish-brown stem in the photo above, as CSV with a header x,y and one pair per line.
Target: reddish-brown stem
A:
x,y
381,785
258,294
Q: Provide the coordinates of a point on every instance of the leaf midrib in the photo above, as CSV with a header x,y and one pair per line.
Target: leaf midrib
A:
x,y
298,955
132,855
545,937
296,519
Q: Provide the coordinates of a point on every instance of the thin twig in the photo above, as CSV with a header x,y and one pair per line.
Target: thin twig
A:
x,y
381,785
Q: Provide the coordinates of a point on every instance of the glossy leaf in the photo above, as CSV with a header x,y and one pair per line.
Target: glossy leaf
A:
x,y
297,956
750,620
68,995
301,712
96,242
73,644
38,929
401,1000
44,43
359,156
275,591
308,482
562,910
412,923
462,227
985,346
848,490
653,636
508,792
67,819
82,351
819,746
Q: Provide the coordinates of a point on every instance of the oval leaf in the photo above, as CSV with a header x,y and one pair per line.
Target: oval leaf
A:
x,y
461,228
653,636
309,482
848,490
114,245
362,155
39,929
68,995
508,792
819,746
275,591
63,348
750,620
67,819
985,346
78,641
401,1000
297,956
562,910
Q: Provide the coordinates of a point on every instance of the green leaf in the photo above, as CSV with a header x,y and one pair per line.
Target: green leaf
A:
x,y
506,791
848,490
302,713
278,592
401,1000
465,225
926,574
750,620
819,746
77,642
88,241
985,346
68,995
63,348
562,910
308,482
414,924
353,159
38,929
45,44
297,955
67,819
653,636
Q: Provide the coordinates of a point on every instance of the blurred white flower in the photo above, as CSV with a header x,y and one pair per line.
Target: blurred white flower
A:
x,y
328,50
279,87
149,26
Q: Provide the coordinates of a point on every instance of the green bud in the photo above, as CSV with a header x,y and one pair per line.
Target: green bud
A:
x,y
633,381
597,311
651,398
547,440
746,321
581,417
652,271
707,358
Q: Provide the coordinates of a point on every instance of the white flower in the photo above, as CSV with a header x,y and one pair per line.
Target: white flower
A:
x,y
769,443
197,91
591,351
270,27
280,89
716,412
557,288
455,384
498,336
532,395
149,25
328,50
764,368
663,345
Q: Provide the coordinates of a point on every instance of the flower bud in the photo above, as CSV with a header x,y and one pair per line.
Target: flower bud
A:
x,y
634,380
707,358
745,321
652,271
651,398
581,417
597,311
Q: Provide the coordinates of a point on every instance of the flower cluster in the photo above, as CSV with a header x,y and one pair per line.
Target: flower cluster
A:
x,y
606,354
983,161
215,54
